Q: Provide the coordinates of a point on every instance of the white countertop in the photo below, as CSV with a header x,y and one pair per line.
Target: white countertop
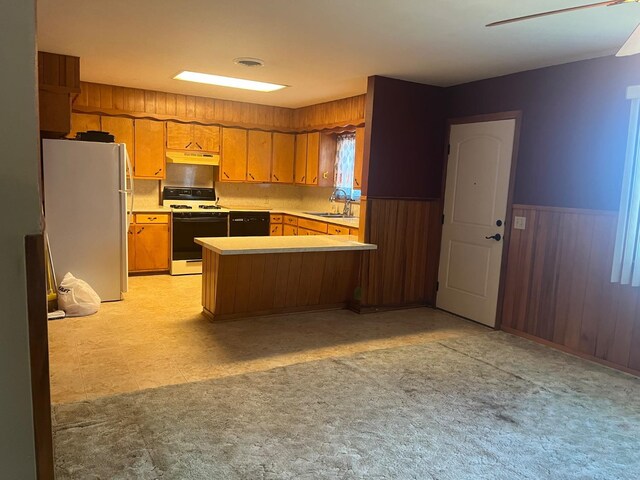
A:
x,y
345,222
287,244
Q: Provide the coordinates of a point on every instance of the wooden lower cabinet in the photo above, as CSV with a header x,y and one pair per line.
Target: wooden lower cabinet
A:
x,y
275,229
289,230
148,247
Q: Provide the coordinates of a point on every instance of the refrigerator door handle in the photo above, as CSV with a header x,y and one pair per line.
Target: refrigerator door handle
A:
x,y
127,214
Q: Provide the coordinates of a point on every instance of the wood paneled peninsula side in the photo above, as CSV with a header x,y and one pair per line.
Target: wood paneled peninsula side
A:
x,y
248,276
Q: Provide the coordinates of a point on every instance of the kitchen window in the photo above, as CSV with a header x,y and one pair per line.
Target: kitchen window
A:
x,y
345,164
626,259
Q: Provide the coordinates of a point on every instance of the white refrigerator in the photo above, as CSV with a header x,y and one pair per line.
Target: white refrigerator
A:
x,y
86,196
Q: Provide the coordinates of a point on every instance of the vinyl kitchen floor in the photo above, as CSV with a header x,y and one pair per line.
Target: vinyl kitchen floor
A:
x,y
157,336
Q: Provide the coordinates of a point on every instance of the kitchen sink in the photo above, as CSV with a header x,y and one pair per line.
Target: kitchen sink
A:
x,y
330,215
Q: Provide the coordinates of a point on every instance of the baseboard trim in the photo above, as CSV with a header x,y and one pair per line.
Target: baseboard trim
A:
x,y
571,351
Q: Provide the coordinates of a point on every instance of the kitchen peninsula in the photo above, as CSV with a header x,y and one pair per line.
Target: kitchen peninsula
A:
x,y
248,276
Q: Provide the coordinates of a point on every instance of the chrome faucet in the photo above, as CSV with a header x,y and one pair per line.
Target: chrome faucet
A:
x,y
346,211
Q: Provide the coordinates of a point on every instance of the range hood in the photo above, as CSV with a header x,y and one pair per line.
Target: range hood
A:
x,y
192,158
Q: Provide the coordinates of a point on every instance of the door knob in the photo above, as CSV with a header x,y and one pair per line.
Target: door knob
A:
x,y
497,237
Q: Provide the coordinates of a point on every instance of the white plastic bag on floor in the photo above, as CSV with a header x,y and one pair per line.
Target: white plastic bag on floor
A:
x,y
76,297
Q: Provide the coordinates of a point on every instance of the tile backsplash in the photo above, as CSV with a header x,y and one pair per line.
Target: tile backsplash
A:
x,y
259,195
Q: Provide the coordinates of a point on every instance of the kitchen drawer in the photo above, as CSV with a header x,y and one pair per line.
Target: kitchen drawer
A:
x,y
289,220
337,230
304,231
276,218
312,225
275,229
289,230
152,218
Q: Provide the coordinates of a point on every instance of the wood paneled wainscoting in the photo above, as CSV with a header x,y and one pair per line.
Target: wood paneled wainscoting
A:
x,y
558,287
403,271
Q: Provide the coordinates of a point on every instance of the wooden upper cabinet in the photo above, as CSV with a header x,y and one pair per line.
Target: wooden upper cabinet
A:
x,y
179,135
301,158
359,159
122,129
149,149
187,136
58,82
327,159
233,162
83,122
259,156
206,138
313,158
282,160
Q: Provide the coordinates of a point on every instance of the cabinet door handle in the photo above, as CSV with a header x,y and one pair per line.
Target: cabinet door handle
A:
x,y
302,180
314,179
276,177
158,172
252,177
140,231
198,145
357,182
225,174
188,144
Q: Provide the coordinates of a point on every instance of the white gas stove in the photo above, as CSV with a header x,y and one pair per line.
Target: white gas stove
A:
x,y
195,213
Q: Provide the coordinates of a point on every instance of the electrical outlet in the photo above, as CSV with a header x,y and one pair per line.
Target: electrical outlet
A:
x,y
520,223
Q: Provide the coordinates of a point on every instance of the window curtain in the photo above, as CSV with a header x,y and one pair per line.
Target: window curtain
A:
x,y
345,159
626,258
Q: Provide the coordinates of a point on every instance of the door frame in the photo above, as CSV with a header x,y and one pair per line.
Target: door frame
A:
x,y
490,117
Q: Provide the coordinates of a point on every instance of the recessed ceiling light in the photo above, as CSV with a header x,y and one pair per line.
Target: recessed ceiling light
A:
x,y
248,62
228,81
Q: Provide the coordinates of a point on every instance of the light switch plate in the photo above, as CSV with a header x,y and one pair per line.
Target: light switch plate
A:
x,y
520,223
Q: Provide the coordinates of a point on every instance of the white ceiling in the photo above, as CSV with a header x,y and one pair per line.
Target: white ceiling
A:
x,y
323,49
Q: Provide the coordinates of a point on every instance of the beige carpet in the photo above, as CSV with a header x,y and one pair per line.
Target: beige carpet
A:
x,y
488,406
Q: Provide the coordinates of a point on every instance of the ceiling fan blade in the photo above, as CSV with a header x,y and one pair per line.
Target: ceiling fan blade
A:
x,y
554,12
632,45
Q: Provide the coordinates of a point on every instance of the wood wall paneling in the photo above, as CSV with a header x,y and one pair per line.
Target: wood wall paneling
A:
x,y
39,352
339,113
114,100
242,285
137,103
404,268
62,71
558,285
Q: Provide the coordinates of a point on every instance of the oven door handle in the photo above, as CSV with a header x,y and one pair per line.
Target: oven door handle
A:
x,y
199,220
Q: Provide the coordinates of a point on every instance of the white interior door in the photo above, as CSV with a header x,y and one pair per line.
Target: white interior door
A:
x,y
475,206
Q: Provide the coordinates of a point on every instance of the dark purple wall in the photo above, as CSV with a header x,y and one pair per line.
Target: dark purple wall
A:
x,y
575,119
406,133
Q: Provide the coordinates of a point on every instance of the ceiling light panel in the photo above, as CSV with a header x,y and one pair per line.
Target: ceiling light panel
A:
x,y
231,82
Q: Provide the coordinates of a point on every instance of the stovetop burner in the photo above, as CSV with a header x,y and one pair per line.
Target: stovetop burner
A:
x,y
209,207
181,207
